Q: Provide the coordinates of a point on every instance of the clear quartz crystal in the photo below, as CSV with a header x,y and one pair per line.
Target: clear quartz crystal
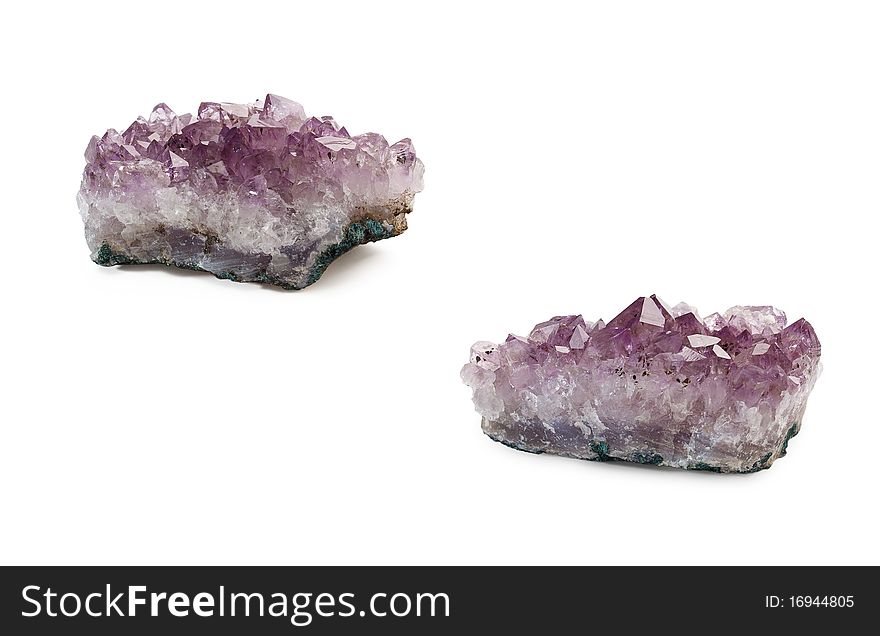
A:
x,y
655,385
251,192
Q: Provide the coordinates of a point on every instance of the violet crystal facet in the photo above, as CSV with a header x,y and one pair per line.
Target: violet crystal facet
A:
x,y
249,192
656,385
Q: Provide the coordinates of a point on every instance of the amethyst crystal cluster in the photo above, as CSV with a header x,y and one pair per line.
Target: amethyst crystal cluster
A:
x,y
655,385
249,192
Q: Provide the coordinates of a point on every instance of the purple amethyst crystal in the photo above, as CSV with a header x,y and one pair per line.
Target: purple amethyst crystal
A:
x,y
249,192
656,385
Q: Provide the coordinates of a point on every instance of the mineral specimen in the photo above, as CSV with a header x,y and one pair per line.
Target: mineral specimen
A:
x,y
249,192
656,385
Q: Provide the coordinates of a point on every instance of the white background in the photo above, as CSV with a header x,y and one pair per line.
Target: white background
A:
x,y
578,156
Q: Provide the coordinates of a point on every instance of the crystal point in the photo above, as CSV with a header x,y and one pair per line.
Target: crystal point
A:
x,y
654,386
